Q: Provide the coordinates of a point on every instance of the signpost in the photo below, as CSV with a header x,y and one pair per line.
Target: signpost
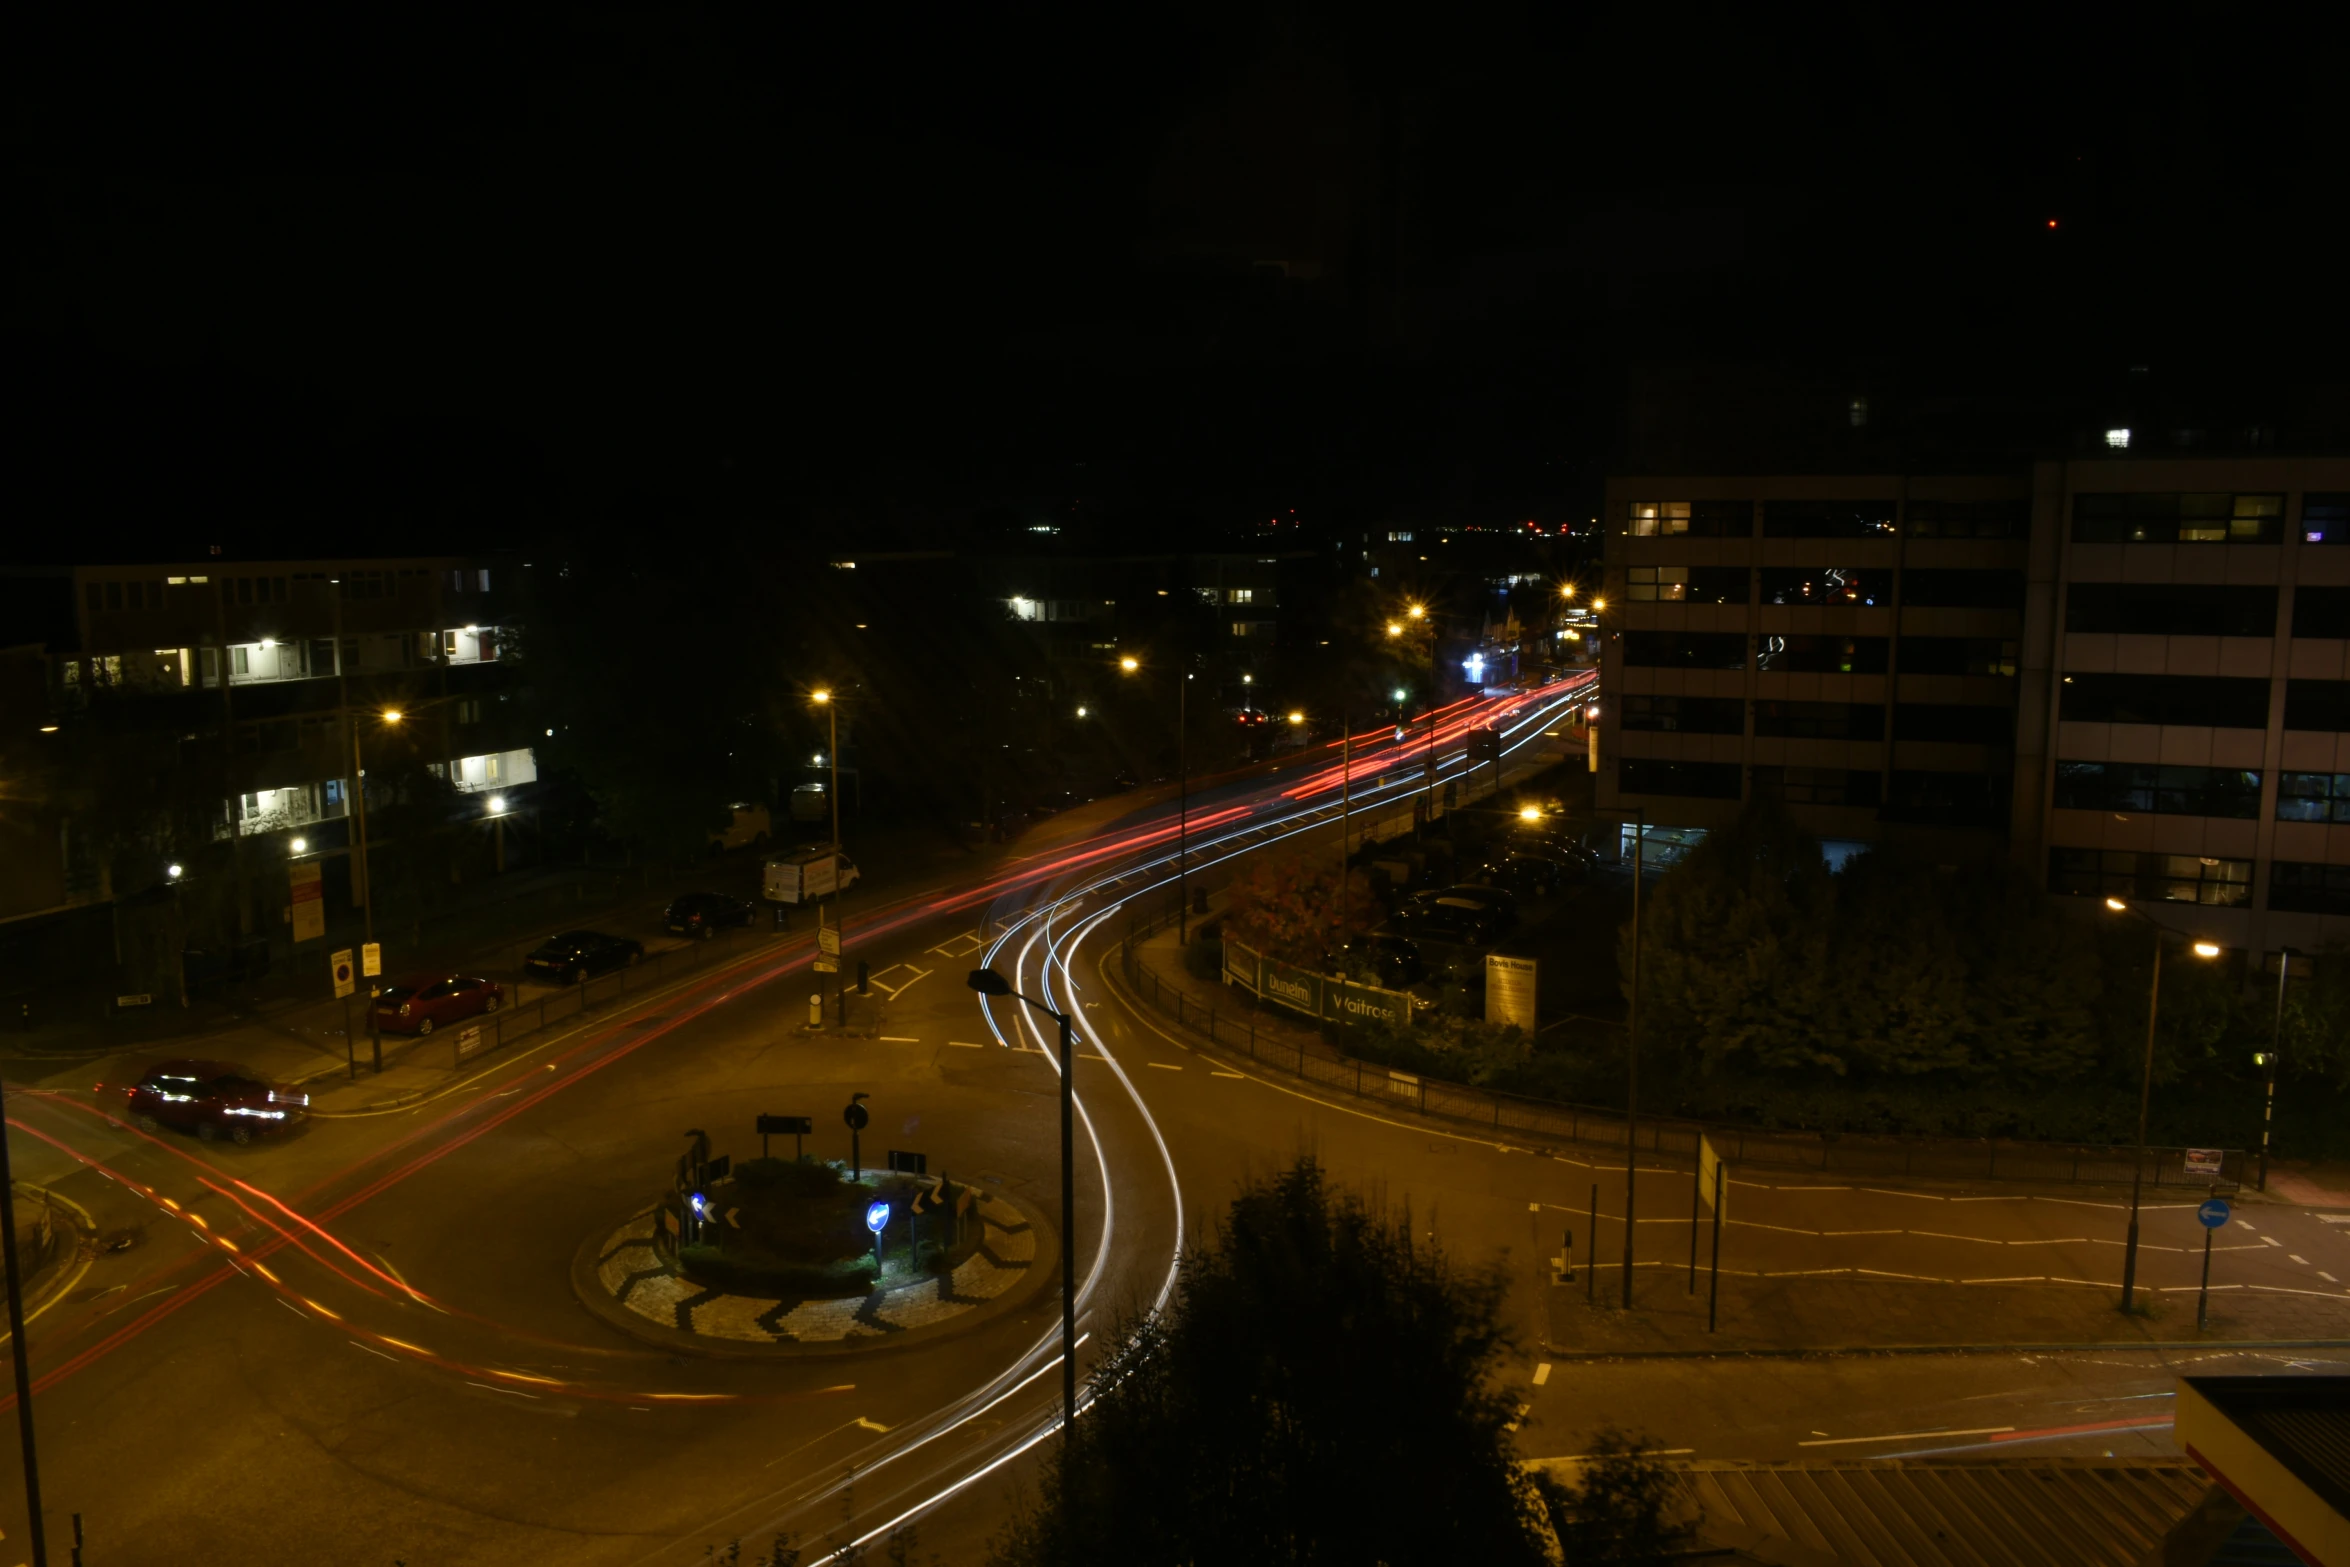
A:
x,y
901,1163
876,1220
856,1116
796,1126
2204,1161
1509,990
340,966
2211,1216
1713,1174
309,901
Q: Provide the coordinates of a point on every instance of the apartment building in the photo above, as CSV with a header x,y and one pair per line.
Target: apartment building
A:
x,y
257,674
2134,672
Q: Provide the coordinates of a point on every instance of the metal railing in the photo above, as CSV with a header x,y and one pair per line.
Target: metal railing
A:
x,y
1291,1048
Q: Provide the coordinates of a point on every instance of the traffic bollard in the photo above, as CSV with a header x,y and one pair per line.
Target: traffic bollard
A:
x,y
816,1011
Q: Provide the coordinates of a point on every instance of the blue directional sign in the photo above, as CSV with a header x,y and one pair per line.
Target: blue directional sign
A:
x,y
2213,1213
876,1216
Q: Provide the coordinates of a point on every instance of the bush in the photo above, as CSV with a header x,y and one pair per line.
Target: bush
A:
x,y
1204,958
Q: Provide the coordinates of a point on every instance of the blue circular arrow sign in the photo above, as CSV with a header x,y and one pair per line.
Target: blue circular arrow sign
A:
x,y
2213,1213
877,1216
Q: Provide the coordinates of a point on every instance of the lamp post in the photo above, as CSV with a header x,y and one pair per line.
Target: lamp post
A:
x,y
2268,1059
2201,949
392,716
1131,665
989,983
822,697
1632,1049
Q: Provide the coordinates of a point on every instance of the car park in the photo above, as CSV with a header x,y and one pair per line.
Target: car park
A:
x,y
213,1099
704,913
1473,916
577,954
430,1001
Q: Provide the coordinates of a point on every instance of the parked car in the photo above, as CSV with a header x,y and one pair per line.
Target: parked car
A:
x,y
573,956
420,1005
1402,961
1470,915
213,1099
702,913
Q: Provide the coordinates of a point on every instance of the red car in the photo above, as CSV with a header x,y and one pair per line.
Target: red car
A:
x,y
420,1005
213,1099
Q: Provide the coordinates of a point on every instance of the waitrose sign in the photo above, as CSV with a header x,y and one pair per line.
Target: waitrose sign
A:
x,y
1322,996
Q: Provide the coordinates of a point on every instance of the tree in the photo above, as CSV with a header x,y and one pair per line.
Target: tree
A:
x,y
1315,1357
1626,1508
1287,906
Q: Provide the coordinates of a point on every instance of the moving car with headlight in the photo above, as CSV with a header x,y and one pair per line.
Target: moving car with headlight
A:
x,y
213,1099
418,1006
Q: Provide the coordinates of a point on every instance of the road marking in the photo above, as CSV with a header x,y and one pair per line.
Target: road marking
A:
x,y
1542,1373
872,1425
515,1391
965,1044
1164,1066
2271,1239
2304,1261
1227,1074
2329,1278
898,1039
1082,1056
377,1353
290,1307
1902,1436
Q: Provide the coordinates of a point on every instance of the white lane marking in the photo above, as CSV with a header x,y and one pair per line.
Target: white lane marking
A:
x,y
517,1392
377,1353
1164,1066
1542,1373
1900,1436
965,1044
2271,1239
1227,1074
2304,1261
898,1039
2329,1278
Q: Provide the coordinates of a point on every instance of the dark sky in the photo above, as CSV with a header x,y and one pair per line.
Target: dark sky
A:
x,y
440,275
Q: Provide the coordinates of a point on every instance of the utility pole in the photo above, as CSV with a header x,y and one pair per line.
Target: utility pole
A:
x,y
2268,1112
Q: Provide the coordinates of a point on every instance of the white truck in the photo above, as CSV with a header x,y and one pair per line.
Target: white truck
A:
x,y
805,875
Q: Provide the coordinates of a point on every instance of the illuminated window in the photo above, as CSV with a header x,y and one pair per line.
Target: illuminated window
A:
x,y
1654,519
1669,583
2165,878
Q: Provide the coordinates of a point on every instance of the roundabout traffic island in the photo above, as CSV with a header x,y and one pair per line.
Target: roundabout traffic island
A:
x,y
799,1254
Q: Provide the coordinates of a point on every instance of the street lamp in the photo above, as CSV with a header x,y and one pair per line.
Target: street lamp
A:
x,y
299,846
497,814
1132,665
2267,1059
823,698
2201,949
989,983
391,717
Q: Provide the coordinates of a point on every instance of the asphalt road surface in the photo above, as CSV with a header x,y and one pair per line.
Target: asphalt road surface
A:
x,y
360,1343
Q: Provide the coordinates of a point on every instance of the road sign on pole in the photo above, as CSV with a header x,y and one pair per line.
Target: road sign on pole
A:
x,y
828,940
371,959
795,1126
2211,1216
2204,1161
340,966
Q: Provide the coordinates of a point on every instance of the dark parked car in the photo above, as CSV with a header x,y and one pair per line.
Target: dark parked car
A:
x,y
701,913
1474,916
573,956
213,1099
420,1005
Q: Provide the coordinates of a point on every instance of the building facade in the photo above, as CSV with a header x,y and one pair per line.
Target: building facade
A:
x,y
2132,672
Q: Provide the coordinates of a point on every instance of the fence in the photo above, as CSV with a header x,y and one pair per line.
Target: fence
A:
x,y
1291,1050
495,1030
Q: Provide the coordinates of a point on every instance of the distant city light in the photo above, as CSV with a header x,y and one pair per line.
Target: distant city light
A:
x,y
2119,440
1081,712
2207,949
1130,665
1400,693
299,845
1475,665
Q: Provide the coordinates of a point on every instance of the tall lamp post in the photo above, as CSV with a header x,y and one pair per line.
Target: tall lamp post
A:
x,y
2201,949
1131,665
2268,1059
823,698
1632,1048
989,983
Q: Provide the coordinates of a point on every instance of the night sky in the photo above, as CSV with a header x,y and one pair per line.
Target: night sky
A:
x,y
471,281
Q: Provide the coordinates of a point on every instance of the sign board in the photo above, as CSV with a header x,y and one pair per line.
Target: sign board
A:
x,y
1709,1164
717,1169
371,959
1323,996
856,1116
909,1163
1509,990
786,1125
469,1042
828,940
143,999
340,966
1403,1083
2213,1213
827,966
2204,1161
309,901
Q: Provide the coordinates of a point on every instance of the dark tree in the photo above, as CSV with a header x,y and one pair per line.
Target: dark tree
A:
x,y
1321,1389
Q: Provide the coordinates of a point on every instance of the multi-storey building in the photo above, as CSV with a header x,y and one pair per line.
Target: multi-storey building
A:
x,y
2134,671
261,673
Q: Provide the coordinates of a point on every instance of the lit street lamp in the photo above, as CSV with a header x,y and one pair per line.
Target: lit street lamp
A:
x,y
1132,665
2201,949
989,983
